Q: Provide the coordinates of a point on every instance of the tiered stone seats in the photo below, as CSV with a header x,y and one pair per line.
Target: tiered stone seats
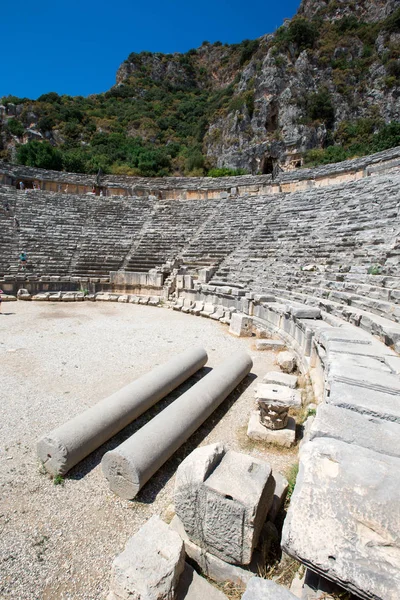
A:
x,y
110,227
8,233
230,223
326,244
172,225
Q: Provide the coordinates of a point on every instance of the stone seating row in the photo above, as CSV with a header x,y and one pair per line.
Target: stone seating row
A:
x,y
81,296
343,520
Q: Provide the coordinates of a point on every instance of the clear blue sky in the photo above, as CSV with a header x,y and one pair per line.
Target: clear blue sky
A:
x,y
75,47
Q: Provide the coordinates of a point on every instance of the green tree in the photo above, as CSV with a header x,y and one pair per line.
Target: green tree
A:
x,y
40,154
15,127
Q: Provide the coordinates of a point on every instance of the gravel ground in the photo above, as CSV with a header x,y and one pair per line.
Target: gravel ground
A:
x,y
58,541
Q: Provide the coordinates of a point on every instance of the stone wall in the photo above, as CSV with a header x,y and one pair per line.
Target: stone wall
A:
x,y
187,188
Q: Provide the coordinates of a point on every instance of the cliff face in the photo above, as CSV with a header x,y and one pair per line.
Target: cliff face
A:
x,y
328,78
335,62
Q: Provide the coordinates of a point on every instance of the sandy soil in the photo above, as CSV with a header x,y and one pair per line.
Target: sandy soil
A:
x,y
58,541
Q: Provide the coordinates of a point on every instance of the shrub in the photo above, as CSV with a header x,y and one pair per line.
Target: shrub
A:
x,y
291,476
50,97
392,22
40,154
320,107
225,172
301,32
248,48
393,68
15,127
46,124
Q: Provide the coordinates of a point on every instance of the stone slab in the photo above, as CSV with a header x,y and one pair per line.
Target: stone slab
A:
x,y
241,325
192,586
281,488
280,437
364,377
384,405
265,589
222,498
262,344
305,312
213,567
393,362
151,564
278,394
279,378
344,517
344,360
354,428
287,361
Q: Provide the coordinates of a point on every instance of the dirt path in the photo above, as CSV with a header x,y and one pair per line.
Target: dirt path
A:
x,y
58,541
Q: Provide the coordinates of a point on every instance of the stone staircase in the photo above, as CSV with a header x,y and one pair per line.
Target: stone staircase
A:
x,y
172,225
327,244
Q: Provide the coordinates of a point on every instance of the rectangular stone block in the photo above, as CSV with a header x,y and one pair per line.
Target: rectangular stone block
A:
x,y
354,428
344,517
222,498
384,405
262,344
151,564
241,325
285,437
280,379
278,394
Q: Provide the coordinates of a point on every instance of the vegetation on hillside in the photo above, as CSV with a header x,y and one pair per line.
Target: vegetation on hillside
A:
x,y
154,122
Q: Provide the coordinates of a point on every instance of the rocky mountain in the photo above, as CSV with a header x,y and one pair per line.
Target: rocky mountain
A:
x,y
324,87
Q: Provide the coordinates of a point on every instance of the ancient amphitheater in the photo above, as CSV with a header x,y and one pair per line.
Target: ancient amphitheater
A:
x,y
310,258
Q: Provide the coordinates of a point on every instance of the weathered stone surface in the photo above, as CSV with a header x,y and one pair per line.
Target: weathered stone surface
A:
x,y
150,566
213,567
354,428
225,512
281,488
278,394
344,517
265,589
280,437
305,312
192,586
287,361
23,294
279,378
270,344
380,381
241,325
43,296
384,405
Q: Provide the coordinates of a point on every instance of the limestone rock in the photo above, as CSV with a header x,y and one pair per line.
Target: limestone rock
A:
x,y
213,567
354,428
192,586
285,437
262,344
222,498
150,566
241,325
344,517
23,294
287,361
280,379
265,589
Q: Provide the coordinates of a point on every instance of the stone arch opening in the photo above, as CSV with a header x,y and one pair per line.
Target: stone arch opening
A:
x,y
271,122
267,165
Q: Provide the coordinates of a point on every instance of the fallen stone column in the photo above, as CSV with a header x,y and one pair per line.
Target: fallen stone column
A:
x,y
65,446
130,466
